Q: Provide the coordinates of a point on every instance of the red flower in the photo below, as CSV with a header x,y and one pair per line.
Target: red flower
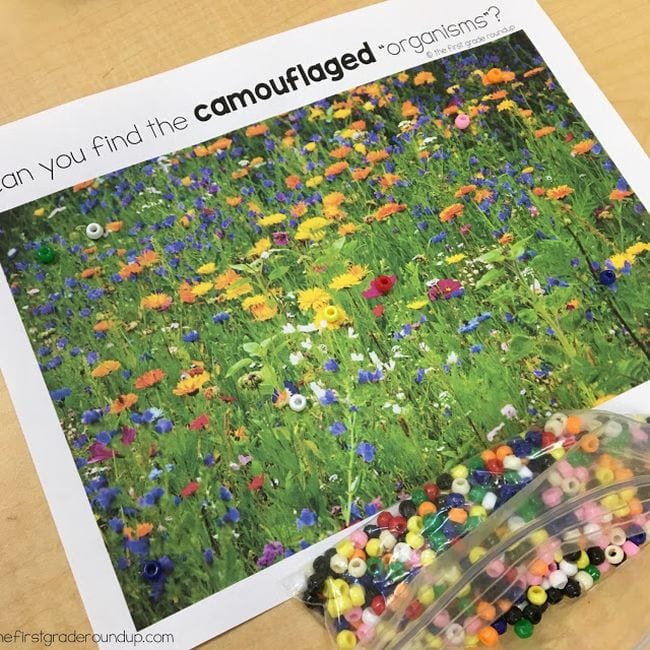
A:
x,y
257,483
378,311
446,289
380,286
200,423
189,489
568,137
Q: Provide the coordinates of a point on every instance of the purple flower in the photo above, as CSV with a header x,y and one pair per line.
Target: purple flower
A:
x,y
208,556
338,428
272,550
419,376
366,451
307,518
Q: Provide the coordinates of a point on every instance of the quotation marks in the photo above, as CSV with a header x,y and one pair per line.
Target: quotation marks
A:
x,y
497,12
381,47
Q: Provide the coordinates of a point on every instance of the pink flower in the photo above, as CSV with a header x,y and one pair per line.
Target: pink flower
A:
x,y
128,435
446,288
380,286
99,452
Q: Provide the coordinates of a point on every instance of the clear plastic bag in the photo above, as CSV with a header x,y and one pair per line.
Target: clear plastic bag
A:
x,y
580,517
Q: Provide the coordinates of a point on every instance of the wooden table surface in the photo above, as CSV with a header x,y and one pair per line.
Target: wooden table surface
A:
x,y
59,50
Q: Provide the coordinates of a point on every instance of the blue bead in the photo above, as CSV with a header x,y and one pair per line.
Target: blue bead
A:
x,y
450,530
521,448
534,438
638,539
455,500
508,491
152,570
607,277
341,624
500,625
481,477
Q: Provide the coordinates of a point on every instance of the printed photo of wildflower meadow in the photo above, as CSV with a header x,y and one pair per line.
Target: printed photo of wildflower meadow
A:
x,y
285,328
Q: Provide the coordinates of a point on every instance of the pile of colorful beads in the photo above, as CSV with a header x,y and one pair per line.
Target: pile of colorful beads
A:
x,y
379,573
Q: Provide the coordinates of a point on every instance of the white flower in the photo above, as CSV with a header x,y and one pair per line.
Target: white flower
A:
x,y
174,326
33,292
288,329
509,411
295,358
352,334
12,252
318,390
243,163
307,328
452,358
536,288
374,357
306,344
492,434
356,357
504,347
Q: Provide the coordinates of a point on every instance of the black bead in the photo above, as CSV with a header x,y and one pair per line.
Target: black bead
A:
x,y
313,600
444,481
513,615
596,555
316,582
572,557
329,554
532,613
321,565
554,595
372,531
572,589
407,509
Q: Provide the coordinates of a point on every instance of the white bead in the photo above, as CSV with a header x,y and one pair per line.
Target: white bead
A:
x,y
559,417
554,426
512,462
592,532
401,552
461,486
455,634
571,486
585,580
617,536
614,554
515,523
338,563
546,585
489,501
525,473
387,540
94,231
555,478
357,567
369,617
451,575
572,535
612,428
297,402
558,579
568,568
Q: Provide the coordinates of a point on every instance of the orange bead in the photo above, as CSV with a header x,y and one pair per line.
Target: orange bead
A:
x,y
487,454
486,611
573,425
538,568
589,443
457,515
605,460
488,636
426,508
503,451
504,605
386,558
623,474
359,553
635,506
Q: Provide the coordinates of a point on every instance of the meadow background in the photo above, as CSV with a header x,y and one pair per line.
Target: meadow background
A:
x,y
419,282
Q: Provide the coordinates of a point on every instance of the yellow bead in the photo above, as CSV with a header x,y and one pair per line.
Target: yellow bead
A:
x,y
346,640
345,548
627,495
415,524
342,603
558,557
465,591
558,452
385,632
538,537
357,595
583,560
477,511
427,557
471,640
333,609
623,511
611,502
426,595
341,587
476,554
536,595
605,475
373,547
460,471
432,641
451,575
328,588
414,540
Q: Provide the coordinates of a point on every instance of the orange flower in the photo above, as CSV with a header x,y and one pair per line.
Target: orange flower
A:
x,y
336,168
104,326
123,402
389,209
506,238
388,180
220,144
377,156
149,379
358,125
560,192
239,174
157,301
498,95
105,368
409,109
91,250
361,173
292,181
545,130
539,191
141,530
482,194
533,72
226,279
147,258
340,152
582,148
201,151
233,201
450,110
298,210
130,269
256,129
424,77
114,226
82,186
497,76
449,213
347,229
91,272
465,189
619,195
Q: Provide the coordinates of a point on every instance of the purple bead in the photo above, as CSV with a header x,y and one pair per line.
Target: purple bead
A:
x,y
500,625
638,539
508,491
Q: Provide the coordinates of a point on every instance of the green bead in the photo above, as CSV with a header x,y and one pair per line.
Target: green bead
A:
x,y
477,493
440,589
530,509
510,476
396,570
46,254
475,462
438,541
375,566
472,522
419,496
465,605
524,628
593,571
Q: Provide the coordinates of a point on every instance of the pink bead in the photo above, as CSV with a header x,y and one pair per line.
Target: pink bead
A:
x,y
638,434
604,567
565,468
639,520
359,539
365,632
473,625
592,512
414,560
552,497
441,619
462,121
354,615
630,548
533,580
603,542
582,474
552,567
546,555
495,569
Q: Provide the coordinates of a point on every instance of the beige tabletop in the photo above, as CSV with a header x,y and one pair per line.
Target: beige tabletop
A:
x,y
53,51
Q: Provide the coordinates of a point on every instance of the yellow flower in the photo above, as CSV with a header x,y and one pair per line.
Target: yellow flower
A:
x,y
260,247
106,368
253,301
186,181
347,229
191,385
210,267
311,229
638,248
39,212
310,146
332,317
344,281
201,288
619,260
505,105
314,181
158,301
454,259
358,271
342,113
226,278
560,192
313,299
272,219
418,304
264,311
240,288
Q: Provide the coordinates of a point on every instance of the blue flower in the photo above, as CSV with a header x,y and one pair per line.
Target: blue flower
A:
x,y
91,416
155,473
370,509
208,556
225,494
366,451
191,337
105,496
307,518
328,397
152,497
475,349
419,376
116,524
163,426
338,428
221,317
59,394
232,515
331,365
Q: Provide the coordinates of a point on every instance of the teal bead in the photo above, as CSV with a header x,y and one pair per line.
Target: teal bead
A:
x,y
524,628
396,570
46,254
375,566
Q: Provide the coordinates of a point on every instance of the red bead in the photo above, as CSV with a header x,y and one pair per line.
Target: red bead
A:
x,y
378,605
512,575
494,466
432,491
384,519
548,439
413,610
397,525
